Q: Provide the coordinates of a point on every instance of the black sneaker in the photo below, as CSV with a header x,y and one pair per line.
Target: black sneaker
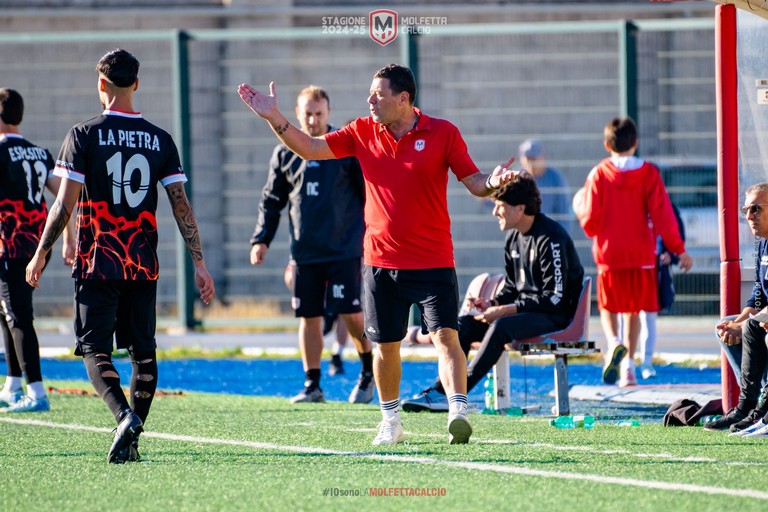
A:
x,y
362,393
337,365
131,452
734,416
309,394
754,416
126,432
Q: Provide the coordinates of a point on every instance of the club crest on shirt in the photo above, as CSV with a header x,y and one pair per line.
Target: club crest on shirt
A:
x,y
419,145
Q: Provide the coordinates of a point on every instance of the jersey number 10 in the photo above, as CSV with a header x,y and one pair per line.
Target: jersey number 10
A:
x,y
121,181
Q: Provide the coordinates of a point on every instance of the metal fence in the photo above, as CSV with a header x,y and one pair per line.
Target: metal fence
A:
x,y
499,83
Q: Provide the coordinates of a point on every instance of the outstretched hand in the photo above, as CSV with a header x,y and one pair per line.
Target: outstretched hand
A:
x,y
502,175
262,104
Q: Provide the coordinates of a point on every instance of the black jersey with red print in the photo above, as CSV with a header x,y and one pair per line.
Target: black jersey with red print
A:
x,y
24,170
119,157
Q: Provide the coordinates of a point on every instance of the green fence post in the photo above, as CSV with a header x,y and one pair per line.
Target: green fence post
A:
x,y
182,128
628,69
409,56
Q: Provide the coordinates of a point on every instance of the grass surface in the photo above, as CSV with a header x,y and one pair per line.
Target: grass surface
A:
x,y
229,452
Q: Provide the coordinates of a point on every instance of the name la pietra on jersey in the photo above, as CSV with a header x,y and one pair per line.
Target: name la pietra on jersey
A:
x,y
129,138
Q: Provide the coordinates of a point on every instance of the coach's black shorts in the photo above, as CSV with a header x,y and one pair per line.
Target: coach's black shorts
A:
x,y
332,287
389,294
115,309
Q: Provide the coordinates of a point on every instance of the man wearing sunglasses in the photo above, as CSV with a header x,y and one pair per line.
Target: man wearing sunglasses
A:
x,y
743,339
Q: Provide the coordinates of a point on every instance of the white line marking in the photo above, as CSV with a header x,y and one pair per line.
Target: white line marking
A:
x,y
591,449
515,470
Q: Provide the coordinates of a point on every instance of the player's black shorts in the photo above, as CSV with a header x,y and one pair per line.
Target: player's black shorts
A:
x,y
389,294
332,287
115,309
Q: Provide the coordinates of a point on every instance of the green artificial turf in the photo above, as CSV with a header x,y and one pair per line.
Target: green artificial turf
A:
x,y
227,452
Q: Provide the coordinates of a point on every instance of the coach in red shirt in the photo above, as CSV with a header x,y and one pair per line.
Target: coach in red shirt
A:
x,y
408,252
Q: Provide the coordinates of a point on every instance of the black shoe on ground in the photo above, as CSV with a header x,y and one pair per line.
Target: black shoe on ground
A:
x,y
337,365
754,416
126,432
734,416
131,452
362,393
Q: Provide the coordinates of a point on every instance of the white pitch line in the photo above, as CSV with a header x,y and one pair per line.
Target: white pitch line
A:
x,y
515,470
590,449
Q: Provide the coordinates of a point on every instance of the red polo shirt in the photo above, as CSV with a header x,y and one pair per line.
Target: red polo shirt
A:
x,y
406,208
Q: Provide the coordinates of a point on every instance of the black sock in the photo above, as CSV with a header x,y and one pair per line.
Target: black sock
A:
x,y
313,379
106,382
143,382
366,358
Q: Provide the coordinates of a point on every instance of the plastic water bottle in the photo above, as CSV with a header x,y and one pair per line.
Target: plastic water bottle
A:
x,y
585,421
563,422
706,419
628,423
490,392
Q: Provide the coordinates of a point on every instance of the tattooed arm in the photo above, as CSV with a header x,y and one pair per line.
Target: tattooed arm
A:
x,y
68,244
185,219
58,218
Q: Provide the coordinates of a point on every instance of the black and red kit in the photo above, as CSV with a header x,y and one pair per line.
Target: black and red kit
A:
x,y
25,170
119,157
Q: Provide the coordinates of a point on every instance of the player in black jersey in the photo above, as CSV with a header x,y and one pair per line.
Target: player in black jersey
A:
x,y
113,163
25,170
326,224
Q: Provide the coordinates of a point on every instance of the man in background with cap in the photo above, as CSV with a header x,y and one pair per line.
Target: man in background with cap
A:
x,y
555,195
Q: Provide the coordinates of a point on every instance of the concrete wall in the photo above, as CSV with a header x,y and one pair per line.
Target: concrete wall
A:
x,y
499,89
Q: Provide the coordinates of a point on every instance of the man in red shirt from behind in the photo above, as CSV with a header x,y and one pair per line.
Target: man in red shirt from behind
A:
x,y
405,156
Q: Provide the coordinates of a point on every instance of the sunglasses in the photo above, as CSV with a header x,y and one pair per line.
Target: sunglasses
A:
x,y
753,209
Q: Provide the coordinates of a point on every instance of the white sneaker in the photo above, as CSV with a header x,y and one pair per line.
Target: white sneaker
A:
x,y
28,404
10,397
627,375
390,432
748,431
761,431
459,429
647,371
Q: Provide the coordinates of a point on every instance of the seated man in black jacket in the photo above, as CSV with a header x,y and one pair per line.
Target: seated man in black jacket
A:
x,y
743,338
541,289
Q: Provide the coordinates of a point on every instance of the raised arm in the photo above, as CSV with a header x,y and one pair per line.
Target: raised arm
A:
x,y
265,106
185,219
57,221
483,185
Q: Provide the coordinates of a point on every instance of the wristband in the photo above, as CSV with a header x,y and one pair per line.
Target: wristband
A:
x,y
488,183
